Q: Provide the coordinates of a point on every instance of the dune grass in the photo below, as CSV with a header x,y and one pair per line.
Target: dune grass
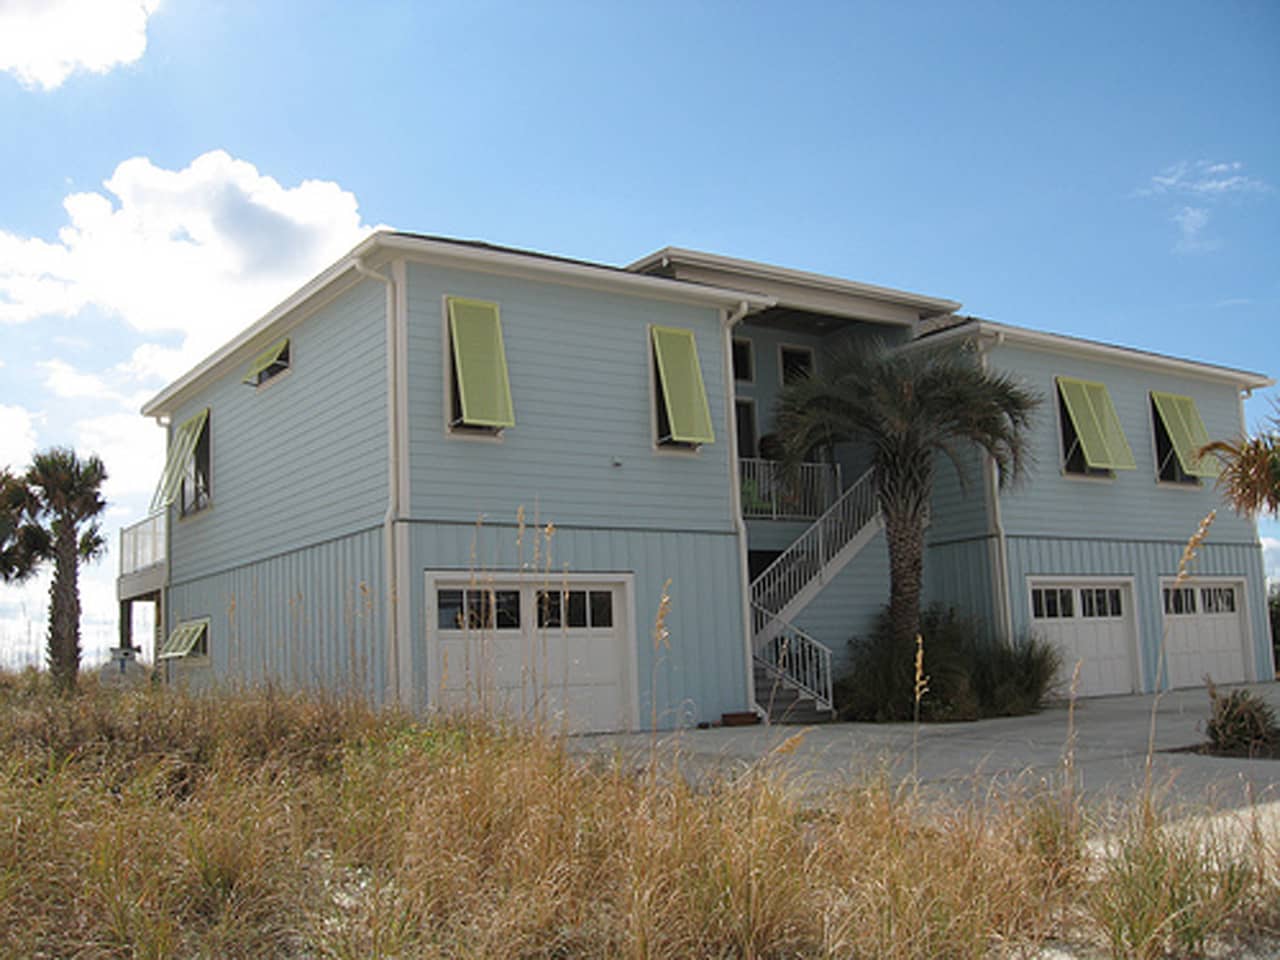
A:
x,y
154,824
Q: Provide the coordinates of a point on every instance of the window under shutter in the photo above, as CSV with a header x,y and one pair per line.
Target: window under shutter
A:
x,y
183,640
1186,432
480,364
266,358
683,394
1094,416
180,451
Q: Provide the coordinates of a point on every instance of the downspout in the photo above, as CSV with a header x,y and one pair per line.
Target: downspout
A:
x,y
731,320
1003,597
393,482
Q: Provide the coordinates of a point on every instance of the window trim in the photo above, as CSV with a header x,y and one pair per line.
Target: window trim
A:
x,y
797,348
1116,454
190,633
658,394
751,359
1197,436
459,429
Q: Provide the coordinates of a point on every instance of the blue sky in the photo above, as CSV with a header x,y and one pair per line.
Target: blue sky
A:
x,y
170,169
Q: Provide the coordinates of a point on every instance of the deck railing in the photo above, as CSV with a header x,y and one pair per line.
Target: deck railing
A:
x,y
142,544
769,493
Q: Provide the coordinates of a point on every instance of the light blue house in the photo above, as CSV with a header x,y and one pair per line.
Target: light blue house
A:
x,y
451,475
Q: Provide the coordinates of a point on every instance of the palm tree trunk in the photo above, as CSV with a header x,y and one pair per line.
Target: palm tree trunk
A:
x,y
904,535
64,611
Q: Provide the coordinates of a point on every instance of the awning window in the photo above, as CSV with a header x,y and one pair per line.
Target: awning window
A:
x,y
683,413
1097,427
1186,432
271,361
181,450
482,390
188,639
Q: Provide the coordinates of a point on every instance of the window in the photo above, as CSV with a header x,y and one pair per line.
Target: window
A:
x,y
1052,603
744,361
189,640
480,393
1218,599
1180,601
575,608
187,468
269,364
1100,602
1093,443
795,363
478,609
1179,436
682,416
744,413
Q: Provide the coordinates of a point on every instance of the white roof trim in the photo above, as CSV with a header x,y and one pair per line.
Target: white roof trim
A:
x,y
1001,332
927,305
451,254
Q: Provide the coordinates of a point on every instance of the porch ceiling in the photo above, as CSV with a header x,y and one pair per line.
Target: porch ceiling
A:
x,y
799,321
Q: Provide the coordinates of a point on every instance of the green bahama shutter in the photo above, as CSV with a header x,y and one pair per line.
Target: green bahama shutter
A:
x,y
1186,433
1094,416
265,359
480,364
180,451
183,640
683,394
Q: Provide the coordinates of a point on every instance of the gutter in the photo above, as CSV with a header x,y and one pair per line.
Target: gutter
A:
x,y
393,512
731,320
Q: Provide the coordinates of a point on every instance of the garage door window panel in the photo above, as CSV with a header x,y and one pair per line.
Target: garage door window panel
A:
x,y
478,609
1180,601
1052,603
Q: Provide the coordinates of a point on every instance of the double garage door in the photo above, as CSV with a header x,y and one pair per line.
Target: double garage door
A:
x,y
558,654
1094,623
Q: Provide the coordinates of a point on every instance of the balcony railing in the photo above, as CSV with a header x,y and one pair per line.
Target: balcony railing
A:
x,y
768,492
142,544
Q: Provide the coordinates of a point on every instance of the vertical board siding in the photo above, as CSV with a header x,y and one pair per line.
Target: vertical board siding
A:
x,y
701,672
301,459
582,446
848,606
307,619
1131,504
959,575
1146,562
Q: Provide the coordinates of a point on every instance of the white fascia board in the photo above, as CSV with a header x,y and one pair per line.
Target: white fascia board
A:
x,y
383,244
1060,343
929,306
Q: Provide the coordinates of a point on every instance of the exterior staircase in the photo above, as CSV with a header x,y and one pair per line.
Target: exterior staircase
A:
x,y
792,669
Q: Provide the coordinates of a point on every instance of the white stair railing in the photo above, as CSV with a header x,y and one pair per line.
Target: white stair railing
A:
x,y
807,558
789,652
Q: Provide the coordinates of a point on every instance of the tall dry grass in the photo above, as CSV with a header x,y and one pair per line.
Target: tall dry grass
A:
x,y
254,824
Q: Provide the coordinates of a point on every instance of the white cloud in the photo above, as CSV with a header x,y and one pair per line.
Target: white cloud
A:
x,y
1191,223
131,448
201,251
42,42
1204,178
17,436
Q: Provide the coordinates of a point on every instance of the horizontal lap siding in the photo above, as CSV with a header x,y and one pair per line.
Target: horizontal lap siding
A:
x,y
579,367
1146,562
307,619
1132,504
958,575
302,459
703,672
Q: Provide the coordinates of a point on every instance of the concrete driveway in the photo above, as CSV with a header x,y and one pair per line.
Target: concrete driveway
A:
x,y
1111,738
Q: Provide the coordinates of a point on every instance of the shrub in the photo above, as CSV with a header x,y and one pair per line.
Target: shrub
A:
x,y
1240,722
971,674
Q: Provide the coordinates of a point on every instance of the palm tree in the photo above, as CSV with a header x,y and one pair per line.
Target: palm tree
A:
x,y
907,405
49,513
1250,478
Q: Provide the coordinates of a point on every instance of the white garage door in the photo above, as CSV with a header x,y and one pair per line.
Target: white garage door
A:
x,y
1090,622
558,655
1204,632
